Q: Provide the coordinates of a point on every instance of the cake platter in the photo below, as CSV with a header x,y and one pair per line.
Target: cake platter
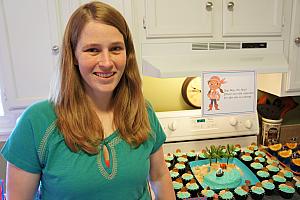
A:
x,y
234,174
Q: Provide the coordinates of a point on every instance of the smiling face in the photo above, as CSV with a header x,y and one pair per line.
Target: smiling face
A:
x,y
101,57
214,84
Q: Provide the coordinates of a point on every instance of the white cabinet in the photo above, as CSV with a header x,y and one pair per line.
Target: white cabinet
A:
x,y
287,84
28,50
30,38
252,17
180,18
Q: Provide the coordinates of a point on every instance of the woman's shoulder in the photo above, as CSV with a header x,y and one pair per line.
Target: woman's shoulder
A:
x,y
40,110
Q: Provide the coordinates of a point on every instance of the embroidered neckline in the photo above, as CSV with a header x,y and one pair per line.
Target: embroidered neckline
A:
x,y
114,167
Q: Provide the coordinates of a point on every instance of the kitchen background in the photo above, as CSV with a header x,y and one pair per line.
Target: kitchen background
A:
x,y
47,21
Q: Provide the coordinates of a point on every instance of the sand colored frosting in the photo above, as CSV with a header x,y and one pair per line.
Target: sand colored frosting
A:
x,y
287,189
297,184
168,164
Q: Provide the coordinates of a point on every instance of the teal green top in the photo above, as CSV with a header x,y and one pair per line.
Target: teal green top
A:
x,y
288,174
279,178
260,152
246,158
240,191
297,184
183,195
37,146
208,193
226,194
257,190
260,159
272,168
177,185
285,188
268,185
182,159
256,165
263,174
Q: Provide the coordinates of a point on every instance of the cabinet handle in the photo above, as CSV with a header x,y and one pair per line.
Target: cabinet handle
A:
x,y
55,49
209,5
297,40
230,6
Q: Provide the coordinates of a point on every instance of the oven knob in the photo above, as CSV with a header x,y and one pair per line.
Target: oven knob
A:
x,y
248,124
172,126
233,121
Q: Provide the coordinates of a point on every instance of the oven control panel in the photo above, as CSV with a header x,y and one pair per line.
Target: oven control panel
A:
x,y
184,126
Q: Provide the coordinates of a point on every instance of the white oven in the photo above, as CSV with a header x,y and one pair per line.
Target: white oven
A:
x,y
189,130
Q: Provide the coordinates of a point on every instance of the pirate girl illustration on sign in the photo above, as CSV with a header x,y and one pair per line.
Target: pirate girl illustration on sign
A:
x,y
214,84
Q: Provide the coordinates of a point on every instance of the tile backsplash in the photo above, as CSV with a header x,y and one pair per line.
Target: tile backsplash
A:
x,y
2,164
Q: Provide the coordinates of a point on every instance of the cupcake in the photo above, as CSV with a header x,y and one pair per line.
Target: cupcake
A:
x,y
268,186
225,195
237,149
288,175
278,179
261,160
177,184
183,159
297,186
285,156
208,193
174,173
249,150
178,154
272,160
191,155
273,169
169,158
260,152
257,191
183,193
256,166
181,167
246,159
295,164
274,148
168,165
202,155
192,187
263,174
241,192
254,146
286,190
186,177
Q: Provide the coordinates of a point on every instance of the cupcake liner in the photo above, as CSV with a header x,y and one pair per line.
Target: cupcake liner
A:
x,y
286,195
194,193
257,196
290,179
239,197
268,192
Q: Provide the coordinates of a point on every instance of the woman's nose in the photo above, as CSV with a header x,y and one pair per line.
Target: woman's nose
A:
x,y
105,59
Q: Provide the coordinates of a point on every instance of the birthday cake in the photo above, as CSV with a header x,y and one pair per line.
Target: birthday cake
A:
x,y
218,178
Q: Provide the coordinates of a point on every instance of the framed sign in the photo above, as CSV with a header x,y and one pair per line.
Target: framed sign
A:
x,y
228,92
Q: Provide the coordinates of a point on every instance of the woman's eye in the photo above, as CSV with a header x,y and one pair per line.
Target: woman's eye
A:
x,y
116,48
93,50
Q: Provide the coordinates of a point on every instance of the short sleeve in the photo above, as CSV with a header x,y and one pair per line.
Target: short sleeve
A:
x,y
20,148
157,131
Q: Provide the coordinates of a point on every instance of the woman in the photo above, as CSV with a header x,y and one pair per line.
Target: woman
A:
x,y
95,138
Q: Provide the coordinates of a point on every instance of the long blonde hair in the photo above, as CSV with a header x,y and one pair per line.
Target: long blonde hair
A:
x,y
76,120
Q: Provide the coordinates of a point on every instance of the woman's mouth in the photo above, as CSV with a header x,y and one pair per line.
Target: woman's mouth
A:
x,y
104,75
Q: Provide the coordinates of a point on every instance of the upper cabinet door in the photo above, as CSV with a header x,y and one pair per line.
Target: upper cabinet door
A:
x,y
252,17
29,50
293,81
178,18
